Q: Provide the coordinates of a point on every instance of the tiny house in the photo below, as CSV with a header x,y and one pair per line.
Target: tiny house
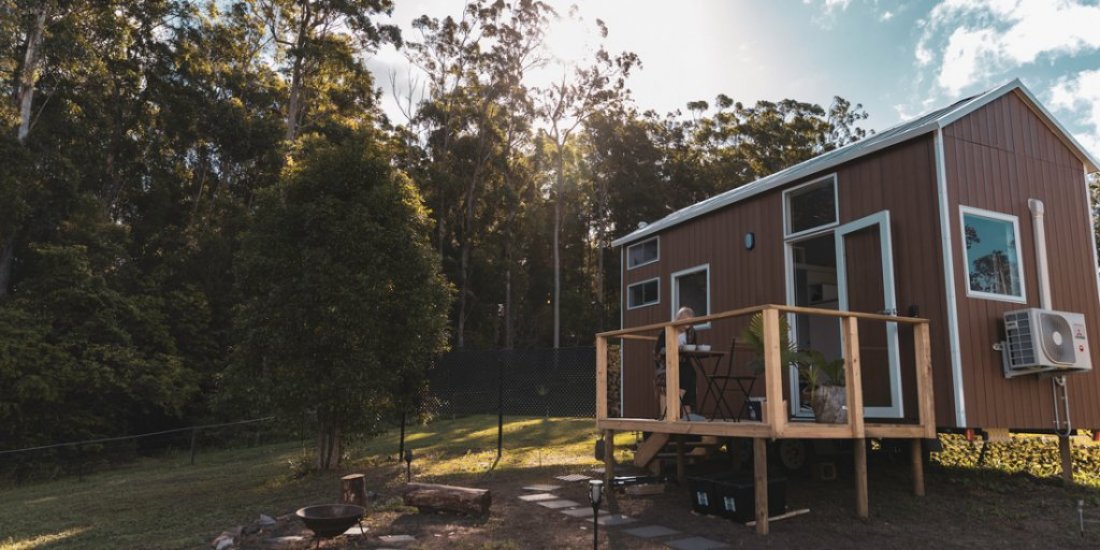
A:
x,y
975,216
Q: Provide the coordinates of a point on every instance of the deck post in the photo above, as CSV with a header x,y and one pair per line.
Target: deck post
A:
x,y
609,455
681,461
760,483
916,454
672,374
859,451
773,375
1066,452
853,374
926,406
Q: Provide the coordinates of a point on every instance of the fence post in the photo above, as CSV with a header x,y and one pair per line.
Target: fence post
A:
x,y
500,407
194,438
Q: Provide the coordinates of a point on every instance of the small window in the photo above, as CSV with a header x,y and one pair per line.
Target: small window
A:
x,y
811,206
645,293
645,252
992,255
691,288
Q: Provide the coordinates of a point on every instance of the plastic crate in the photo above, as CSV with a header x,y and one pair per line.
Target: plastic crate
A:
x,y
733,496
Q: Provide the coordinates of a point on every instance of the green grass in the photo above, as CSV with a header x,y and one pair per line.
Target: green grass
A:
x,y
167,503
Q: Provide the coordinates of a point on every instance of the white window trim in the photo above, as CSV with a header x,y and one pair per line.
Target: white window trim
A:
x,y
653,261
676,292
647,304
787,208
1000,216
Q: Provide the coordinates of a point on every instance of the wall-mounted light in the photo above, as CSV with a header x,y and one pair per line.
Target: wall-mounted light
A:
x,y
750,240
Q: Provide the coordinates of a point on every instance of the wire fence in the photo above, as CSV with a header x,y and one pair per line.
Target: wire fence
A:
x,y
529,382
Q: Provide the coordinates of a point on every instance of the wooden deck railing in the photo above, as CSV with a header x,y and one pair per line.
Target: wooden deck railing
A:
x,y
776,424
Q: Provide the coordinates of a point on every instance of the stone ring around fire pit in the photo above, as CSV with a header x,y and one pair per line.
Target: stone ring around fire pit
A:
x,y
330,520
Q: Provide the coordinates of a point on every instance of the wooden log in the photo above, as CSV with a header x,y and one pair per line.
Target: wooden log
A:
x,y
788,515
448,498
353,489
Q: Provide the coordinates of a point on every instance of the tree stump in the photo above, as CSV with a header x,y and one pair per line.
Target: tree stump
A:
x,y
353,489
448,498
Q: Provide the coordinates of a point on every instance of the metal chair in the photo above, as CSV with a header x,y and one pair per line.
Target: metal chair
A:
x,y
718,384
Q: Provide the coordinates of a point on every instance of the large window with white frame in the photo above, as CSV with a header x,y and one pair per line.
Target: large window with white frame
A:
x,y
643,253
993,261
644,293
691,288
810,207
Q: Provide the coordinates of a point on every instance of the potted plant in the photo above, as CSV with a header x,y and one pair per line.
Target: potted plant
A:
x,y
825,381
753,336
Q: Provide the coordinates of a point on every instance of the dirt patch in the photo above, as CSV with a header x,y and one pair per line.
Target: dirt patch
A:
x,y
965,508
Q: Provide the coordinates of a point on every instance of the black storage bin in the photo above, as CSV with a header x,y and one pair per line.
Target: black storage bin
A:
x,y
732,496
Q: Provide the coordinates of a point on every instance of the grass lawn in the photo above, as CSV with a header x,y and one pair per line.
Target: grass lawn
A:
x,y
167,503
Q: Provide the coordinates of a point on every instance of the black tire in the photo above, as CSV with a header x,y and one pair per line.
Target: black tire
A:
x,y
793,455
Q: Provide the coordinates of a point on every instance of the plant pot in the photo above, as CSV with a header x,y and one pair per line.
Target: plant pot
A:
x,y
829,404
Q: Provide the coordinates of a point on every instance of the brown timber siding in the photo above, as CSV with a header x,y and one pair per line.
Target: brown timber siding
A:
x,y
996,159
900,179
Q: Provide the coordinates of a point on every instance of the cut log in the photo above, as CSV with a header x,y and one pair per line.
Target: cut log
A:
x,y
448,498
353,489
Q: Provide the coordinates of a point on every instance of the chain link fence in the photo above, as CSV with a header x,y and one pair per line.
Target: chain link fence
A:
x,y
528,382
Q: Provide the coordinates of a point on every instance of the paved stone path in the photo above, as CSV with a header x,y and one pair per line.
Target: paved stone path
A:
x,y
543,496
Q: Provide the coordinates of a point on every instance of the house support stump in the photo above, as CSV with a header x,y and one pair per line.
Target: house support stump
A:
x,y
917,456
860,454
609,455
760,483
1066,452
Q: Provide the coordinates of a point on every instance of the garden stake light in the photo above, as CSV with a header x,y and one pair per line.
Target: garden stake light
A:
x,y
408,465
595,494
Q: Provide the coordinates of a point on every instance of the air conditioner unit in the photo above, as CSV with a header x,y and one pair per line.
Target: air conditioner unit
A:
x,y
1045,341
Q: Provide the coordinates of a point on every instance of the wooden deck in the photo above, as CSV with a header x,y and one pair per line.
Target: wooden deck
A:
x,y
777,424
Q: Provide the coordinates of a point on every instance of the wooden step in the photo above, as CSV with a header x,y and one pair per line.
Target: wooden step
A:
x,y
649,449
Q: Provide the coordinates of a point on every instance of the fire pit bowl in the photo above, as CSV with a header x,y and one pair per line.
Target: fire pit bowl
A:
x,y
330,520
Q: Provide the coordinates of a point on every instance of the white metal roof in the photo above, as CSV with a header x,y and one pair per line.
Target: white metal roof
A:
x,y
903,132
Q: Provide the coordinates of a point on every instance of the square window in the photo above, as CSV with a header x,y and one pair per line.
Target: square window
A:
x,y
992,243
811,206
645,293
645,252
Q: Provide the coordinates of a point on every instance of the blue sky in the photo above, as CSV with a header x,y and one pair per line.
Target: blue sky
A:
x,y
899,59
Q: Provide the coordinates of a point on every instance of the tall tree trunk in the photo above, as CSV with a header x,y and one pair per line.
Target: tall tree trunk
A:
x,y
329,447
25,94
7,256
557,246
294,103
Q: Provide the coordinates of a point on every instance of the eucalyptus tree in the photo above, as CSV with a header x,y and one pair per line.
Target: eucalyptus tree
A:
x,y
476,118
582,91
312,36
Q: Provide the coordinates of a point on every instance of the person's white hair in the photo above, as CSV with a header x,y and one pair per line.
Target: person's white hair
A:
x,y
685,312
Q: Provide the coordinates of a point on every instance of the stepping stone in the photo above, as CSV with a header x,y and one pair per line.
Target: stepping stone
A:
x,y
612,520
556,504
651,531
397,539
696,543
354,531
537,497
583,513
283,542
573,477
542,488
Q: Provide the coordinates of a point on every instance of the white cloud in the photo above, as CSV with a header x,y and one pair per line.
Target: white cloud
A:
x,y
1080,94
988,36
886,16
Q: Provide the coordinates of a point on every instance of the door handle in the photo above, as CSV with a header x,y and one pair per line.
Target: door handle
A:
x,y
893,312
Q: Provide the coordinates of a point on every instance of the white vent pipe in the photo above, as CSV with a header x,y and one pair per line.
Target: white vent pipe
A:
x,y
1037,211
1057,382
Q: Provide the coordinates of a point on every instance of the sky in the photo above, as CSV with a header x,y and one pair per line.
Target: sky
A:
x,y
897,59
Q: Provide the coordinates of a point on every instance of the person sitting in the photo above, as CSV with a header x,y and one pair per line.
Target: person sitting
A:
x,y
685,335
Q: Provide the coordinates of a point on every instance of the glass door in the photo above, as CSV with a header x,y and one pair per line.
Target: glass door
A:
x,y
865,283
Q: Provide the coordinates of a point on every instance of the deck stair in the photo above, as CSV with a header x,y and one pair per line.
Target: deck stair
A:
x,y
659,448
